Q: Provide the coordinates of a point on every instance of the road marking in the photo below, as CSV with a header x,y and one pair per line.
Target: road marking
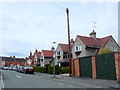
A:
x,y
69,85
18,76
2,81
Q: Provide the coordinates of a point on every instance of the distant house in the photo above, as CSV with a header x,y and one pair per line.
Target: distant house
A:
x,y
62,51
12,61
87,46
37,58
46,57
30,60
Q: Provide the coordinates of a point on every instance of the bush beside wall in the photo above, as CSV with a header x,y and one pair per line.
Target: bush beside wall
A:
x,y
65,70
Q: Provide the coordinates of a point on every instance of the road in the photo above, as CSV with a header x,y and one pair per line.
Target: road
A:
x,y
13,79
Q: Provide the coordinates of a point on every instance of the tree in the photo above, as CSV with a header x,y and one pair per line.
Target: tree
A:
x,y
104,50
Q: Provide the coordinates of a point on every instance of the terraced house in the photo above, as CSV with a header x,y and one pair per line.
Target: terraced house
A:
x,y
12,61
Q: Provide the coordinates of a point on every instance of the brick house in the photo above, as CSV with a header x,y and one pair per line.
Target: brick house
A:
x,y
37,58
88,46
12,61
46,57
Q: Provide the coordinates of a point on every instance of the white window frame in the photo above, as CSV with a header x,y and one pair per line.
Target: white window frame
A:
x,y
78,48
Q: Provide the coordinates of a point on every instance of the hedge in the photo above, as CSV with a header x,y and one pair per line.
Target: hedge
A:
x,y
51,68
42,69
36,69
65,69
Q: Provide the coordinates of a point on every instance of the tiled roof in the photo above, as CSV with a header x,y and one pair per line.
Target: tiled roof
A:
x,y
65,47
47,53
89,41
63,60
37,54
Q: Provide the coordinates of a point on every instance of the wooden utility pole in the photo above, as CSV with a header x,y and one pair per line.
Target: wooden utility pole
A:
x,y
67,11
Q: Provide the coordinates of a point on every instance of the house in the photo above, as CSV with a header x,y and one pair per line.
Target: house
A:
x,y
87,46
30,60
62,52
37,58
12,61
46,57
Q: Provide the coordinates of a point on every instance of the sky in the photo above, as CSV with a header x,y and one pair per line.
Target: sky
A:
x,y
26,26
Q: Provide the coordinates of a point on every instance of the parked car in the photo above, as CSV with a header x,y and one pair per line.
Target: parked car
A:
x,y
5,68
28,70
20,69
14,68
1,67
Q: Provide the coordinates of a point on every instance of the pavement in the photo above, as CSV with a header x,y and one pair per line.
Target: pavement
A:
x,y
100,83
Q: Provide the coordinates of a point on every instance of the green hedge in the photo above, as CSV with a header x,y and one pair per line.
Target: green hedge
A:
x,y
42,70
36,69
65,70
51,68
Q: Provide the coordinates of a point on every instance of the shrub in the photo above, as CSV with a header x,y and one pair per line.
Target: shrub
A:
x,y
51,68
65,69
42,70
36,69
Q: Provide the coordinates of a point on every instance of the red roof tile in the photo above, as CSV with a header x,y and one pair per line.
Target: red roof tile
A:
x,y
63,60
89,41
47,53
37,54
65,47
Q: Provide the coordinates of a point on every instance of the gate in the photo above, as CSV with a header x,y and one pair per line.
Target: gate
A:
x,y
86,67
105,66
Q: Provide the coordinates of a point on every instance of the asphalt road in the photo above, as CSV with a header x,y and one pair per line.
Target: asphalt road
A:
x,y
13,79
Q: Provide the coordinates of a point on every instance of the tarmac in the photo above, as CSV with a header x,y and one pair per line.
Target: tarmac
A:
x,y
111,84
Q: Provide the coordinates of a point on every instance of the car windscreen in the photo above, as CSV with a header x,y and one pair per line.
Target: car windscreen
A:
x,y
28,67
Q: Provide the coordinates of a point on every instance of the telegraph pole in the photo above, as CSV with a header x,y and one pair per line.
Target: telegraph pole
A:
x,y
69,54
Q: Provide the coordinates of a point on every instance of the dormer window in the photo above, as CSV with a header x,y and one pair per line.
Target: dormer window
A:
x,y
58,53
78,48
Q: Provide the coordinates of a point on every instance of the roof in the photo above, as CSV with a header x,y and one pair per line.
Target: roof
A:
x,y
47,53
37,54
89,41
12,59
65,47
63,60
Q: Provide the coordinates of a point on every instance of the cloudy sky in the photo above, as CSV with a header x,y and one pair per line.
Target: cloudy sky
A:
x,y
26,26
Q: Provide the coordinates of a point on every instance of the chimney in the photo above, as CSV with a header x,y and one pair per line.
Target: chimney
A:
x,y
30,53
36,51
72,41
13,57
93,34
52,49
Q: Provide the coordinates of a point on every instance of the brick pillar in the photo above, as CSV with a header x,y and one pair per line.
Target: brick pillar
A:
x,y
94,66
75,67
117,65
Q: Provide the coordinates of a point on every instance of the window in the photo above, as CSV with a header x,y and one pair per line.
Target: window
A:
x,y
78,48
113,48
58,53
41,57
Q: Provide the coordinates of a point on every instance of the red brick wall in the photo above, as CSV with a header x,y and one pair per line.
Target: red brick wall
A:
x,y
117,65
94,66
